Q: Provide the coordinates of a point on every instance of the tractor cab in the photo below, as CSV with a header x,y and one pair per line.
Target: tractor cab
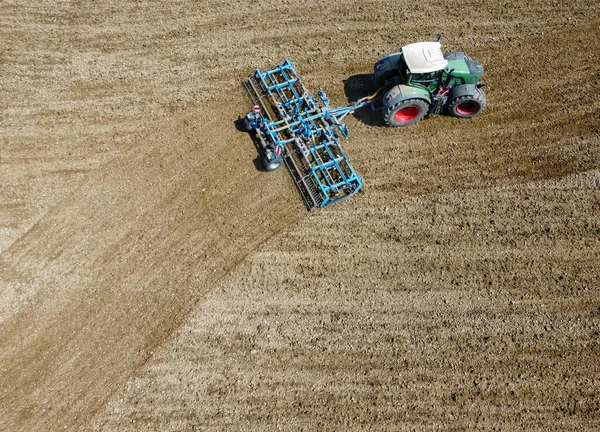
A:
x,y
422,65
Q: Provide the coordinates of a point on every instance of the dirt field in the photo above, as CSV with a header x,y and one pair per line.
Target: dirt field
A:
x,y
151,278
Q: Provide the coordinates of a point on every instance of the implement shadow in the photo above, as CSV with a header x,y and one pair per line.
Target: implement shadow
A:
x,y
357,87
258,161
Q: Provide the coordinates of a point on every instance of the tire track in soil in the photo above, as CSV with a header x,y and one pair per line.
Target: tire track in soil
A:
x,y
454,292
115,265
429,312
120,262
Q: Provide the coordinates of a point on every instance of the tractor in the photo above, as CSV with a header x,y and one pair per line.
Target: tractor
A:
x,y
420,80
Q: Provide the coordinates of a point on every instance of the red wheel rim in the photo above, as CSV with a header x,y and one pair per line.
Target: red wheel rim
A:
x,y
467,108
406,114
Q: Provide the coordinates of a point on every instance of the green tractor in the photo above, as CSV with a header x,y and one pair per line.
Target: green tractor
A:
x,y
420,80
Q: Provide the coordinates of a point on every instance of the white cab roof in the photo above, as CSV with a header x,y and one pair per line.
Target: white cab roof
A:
x,y
423,57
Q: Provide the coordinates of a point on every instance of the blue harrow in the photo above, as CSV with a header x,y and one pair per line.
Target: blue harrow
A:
x,y
296,129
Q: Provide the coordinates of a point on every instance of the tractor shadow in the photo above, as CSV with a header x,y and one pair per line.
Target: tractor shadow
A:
x,y
357,87
258,161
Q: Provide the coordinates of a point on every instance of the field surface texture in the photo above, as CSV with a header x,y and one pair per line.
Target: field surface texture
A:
x,y
153,279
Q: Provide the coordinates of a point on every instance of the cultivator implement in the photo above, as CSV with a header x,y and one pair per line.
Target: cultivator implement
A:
x,y
303,132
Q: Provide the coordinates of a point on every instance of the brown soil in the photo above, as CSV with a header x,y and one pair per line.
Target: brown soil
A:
x,y
153,279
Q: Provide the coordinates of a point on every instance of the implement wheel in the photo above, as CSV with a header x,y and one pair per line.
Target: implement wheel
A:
x,y
406,112
468,105
272,165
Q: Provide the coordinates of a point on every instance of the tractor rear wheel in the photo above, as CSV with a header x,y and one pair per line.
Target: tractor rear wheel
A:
x,y
468,105
406,112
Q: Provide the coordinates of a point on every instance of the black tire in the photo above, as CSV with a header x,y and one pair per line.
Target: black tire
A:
x,y
247,124
406,112
467,106
272,165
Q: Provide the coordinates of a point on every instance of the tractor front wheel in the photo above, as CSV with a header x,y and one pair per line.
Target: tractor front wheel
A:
x,y
406,112
468,105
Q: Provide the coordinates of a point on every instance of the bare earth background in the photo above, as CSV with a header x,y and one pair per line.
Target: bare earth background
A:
x,y
152,279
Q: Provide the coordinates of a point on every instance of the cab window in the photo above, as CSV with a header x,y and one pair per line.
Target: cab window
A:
x,y
425,77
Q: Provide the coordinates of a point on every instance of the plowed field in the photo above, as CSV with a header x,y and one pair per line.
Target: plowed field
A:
x,y
152,279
